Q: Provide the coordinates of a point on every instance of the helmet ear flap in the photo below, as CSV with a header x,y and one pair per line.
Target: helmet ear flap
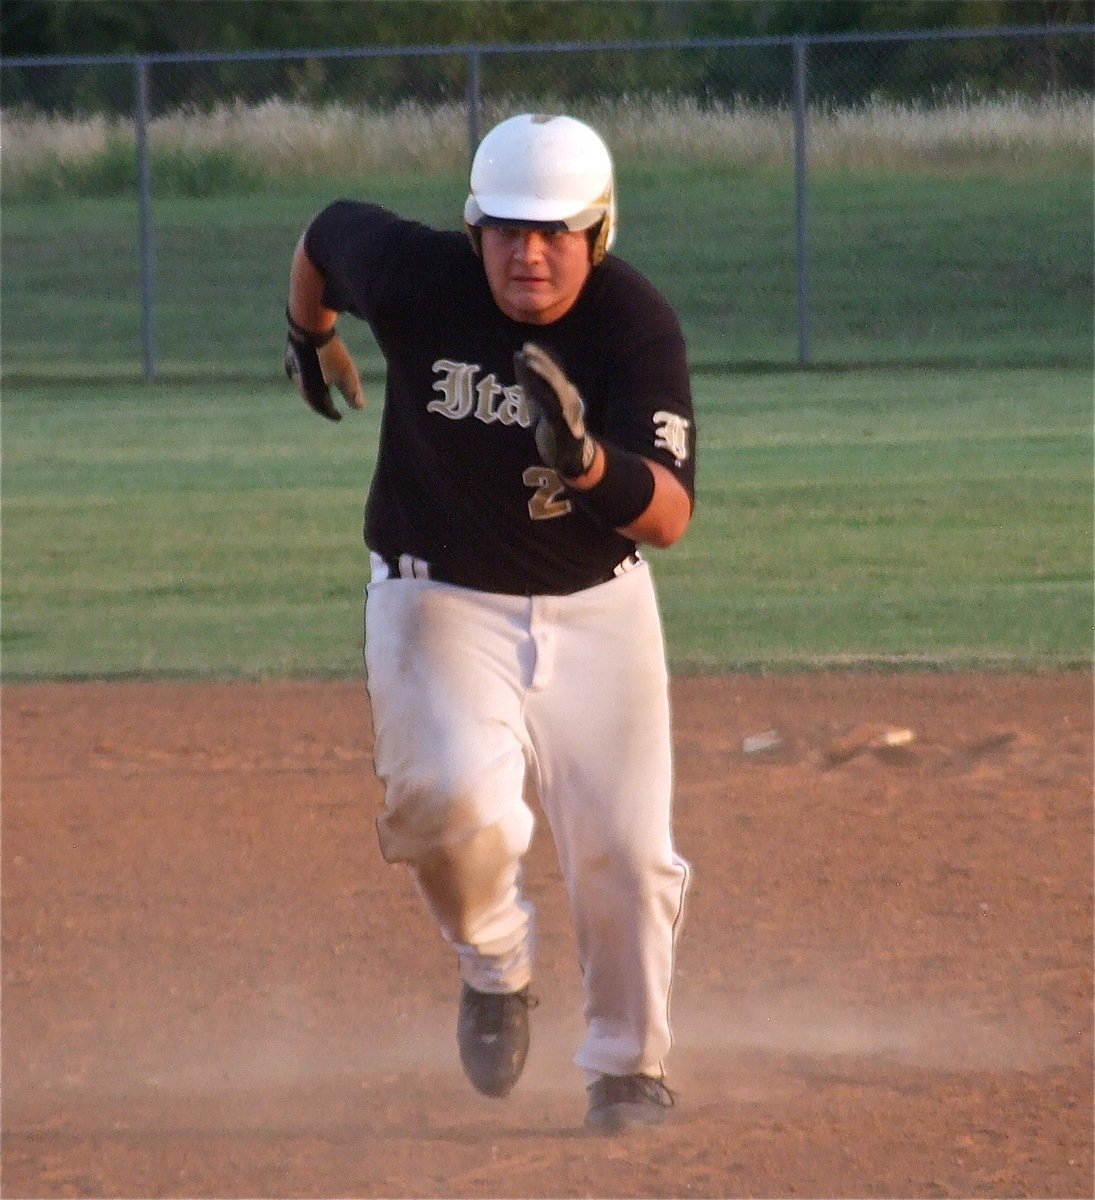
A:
x,y
597,238
605,234
473,216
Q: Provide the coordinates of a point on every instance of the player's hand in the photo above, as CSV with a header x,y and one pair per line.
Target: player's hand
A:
x,y
315,367
557,410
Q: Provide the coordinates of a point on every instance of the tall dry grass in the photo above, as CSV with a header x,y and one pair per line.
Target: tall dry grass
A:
x,y
283,139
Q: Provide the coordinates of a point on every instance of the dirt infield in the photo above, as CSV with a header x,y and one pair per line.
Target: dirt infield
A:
x,y
213,986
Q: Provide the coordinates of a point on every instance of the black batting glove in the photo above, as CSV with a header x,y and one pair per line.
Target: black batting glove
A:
x,y
313,361
557,411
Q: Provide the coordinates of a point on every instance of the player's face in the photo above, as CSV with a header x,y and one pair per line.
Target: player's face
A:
x,y
535,275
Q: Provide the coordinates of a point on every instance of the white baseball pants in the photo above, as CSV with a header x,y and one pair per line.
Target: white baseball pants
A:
x,y
468,691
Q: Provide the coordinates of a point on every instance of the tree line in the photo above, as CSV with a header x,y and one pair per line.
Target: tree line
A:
x,y
67,27
141,27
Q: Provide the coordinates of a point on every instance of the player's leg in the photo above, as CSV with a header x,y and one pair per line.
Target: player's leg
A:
x,y
601,731
442,666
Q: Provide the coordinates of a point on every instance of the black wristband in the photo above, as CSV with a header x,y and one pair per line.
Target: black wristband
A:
x,y
308,336
624,491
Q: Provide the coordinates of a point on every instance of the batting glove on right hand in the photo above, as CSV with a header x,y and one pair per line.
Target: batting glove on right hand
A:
x,y
558,413
314,361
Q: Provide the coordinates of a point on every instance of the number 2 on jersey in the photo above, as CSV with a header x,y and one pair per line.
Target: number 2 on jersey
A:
x,y
545,502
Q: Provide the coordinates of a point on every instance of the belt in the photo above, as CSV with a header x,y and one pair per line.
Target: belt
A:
x,y
406,566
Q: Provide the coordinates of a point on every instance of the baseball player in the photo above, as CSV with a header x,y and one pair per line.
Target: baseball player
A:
x,y
537,427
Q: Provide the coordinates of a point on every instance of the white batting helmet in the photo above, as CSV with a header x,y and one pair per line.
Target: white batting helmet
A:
x,y
544,170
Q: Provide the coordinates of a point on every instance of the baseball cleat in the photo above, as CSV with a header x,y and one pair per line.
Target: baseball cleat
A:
x,y
621,1102
492,1032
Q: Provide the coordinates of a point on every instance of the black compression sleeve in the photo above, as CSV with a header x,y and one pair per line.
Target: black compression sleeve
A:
x,y
624,491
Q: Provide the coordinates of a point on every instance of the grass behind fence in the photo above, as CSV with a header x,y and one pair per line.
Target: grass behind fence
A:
x,y
954,235
286,140
924,518
903,269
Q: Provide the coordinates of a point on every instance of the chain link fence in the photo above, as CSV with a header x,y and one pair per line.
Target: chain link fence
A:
x,y
901,198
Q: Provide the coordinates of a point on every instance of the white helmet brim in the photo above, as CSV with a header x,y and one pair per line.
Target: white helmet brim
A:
x,y
521,210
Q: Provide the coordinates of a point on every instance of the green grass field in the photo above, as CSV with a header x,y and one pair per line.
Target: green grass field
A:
x,y
923,498
920,518
906,268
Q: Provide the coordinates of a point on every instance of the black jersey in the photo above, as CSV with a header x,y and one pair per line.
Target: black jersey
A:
x,y
458,481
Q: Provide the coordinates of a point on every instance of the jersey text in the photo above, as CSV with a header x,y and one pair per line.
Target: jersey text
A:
x,y
672,434
462,395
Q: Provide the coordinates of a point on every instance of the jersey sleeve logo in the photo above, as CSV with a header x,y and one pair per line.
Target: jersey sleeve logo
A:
x,y
671,433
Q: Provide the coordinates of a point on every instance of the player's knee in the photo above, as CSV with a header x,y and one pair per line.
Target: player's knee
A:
x,y
448,801
470,884
630,869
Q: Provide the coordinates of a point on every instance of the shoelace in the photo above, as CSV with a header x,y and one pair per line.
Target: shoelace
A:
x,y
490,1015
630,1089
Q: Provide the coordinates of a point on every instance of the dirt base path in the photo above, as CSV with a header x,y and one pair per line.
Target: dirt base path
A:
x,y
213,986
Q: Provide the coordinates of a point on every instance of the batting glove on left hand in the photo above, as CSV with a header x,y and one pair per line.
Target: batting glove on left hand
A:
x,y
557,410
315,360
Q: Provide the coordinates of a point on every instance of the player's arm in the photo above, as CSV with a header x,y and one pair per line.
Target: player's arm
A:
x,y
640,498
315,356
669,510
